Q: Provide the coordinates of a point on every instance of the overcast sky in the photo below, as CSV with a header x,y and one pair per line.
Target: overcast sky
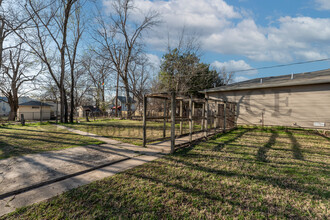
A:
x,y
241,34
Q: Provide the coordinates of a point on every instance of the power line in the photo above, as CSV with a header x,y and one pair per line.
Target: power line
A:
x,y
258,68
281,65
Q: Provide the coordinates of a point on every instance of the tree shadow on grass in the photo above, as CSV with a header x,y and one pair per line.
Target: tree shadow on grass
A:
x,y
283,183
239,134
262,152
296,147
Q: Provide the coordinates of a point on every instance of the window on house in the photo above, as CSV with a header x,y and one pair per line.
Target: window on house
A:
x,y
35,107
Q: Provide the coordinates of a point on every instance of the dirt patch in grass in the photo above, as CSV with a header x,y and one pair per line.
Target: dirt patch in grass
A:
x,y
245,174
16,140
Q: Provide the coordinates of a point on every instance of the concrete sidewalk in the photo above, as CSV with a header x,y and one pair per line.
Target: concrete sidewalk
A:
x,y
9,204
33,178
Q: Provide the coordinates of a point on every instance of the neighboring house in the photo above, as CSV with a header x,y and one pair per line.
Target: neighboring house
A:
x,y
122,103
5,108
90,110
53,106
34,110
300,100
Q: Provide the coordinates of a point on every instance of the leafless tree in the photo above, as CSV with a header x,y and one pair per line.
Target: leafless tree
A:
x,y
99,71
139,77
120,35
10,20
227,77
72,51
48,38
15,72
14,61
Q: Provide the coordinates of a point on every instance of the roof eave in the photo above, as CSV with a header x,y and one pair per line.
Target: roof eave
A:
x,y
263,87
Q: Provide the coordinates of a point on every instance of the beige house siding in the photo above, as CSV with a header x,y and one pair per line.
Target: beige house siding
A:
x,y
301,106
34,113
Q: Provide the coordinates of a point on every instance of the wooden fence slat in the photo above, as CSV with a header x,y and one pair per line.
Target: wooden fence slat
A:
x,y
173,108
164,126
224,116
181,113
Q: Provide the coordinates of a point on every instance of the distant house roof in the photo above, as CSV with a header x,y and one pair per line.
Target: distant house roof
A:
x,y
3,99
122,99
34,103
308,78
20,99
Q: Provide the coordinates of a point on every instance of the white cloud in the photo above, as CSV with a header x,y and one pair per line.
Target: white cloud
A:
x,y
154,60
225,29
301,37
240,78
234,65
196,16
323,4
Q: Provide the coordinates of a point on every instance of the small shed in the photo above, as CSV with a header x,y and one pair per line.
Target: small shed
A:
x,y
34,110
90,110
298,100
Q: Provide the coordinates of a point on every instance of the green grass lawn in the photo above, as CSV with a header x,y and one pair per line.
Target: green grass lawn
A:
x,y
128,131
16,140
249,173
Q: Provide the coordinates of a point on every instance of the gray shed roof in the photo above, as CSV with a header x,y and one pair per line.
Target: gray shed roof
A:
x,y
308,78
34,103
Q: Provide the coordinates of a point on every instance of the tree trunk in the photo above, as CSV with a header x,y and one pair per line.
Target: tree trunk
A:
x,y
13,103
116,110
128,102
66,109
62,102
103,96
2,36
72,97
13,109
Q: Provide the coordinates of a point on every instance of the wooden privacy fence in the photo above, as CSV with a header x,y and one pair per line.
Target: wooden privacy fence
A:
x,y
206,116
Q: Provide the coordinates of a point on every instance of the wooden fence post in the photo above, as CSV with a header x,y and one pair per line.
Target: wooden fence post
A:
x,y
190,119
145,100
192,116
224,116
181,113
22,119
165,116
215,117
206,115
173,108
203,116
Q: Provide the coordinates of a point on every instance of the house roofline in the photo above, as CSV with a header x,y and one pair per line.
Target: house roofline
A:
x,y
287,81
